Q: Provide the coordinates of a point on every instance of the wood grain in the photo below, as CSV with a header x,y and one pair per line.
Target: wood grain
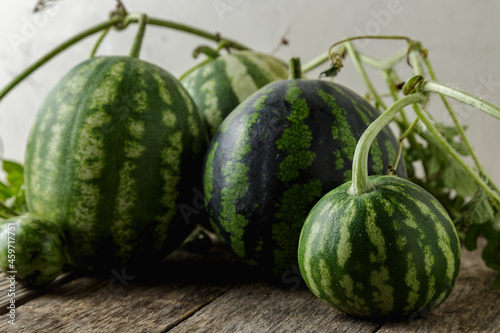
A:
x,y
23,294
151,301
261,307
217,293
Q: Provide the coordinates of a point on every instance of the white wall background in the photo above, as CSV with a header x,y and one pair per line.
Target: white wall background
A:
x,y
463,39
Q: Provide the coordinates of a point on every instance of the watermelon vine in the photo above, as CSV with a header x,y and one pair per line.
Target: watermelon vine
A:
x,y
142,20
120,21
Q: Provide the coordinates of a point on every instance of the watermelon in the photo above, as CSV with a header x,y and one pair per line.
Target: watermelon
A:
x,y
275,156
220,85
33,248
116,148
391,252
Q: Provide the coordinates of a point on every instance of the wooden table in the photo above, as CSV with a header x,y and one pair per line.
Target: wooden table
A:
x,y
217,293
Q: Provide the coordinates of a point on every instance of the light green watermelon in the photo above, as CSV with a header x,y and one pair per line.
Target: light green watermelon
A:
x,y
218,86
114,151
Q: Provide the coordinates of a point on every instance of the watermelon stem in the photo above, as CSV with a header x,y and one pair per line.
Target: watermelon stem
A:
x,y
360,181
192,69
194,31
322,58
413,84
416,53
115,21
358,60
99,41
359,66
295,69
365,37
391,79
463,97
456,156
459,127
340,50
384,65
142,20
224,44
401,139
206,50
56,51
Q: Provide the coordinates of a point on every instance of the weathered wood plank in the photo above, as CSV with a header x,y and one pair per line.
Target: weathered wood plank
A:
x,y
216,293
23,294
471,307
149,301
86,306
261,307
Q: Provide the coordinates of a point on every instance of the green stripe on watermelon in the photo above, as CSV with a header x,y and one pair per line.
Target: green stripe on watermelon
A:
x,y
116,147
381,253
220,85
274,156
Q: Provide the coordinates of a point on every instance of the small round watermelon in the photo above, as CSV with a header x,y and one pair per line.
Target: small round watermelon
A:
x,y
115,152
218,86
390,252
33,248
275,156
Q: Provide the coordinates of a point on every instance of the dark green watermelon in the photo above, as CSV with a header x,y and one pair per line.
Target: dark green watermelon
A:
x,y
276,155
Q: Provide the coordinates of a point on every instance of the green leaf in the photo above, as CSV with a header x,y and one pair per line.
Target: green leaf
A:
x,y
455,140
6,192
491,252
435,158
471,237
434,165
12,192
20,201
455,177
460,147
12,167
496,220
478,210
449,132
14,172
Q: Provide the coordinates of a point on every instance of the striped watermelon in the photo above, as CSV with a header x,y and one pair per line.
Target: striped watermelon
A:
x,y
116,147
274,157
390,252
32,247
220,85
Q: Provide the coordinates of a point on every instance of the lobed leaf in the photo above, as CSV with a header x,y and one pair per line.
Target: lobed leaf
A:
x,y
478,210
